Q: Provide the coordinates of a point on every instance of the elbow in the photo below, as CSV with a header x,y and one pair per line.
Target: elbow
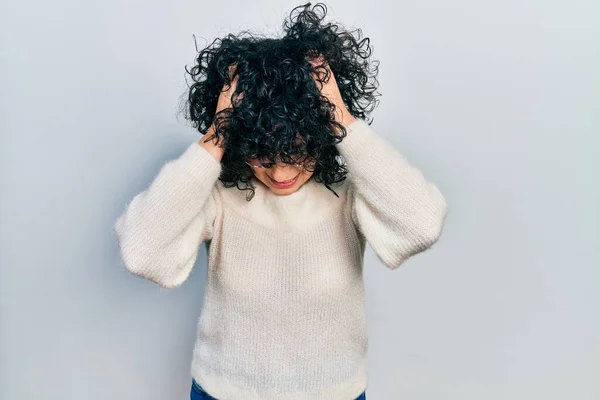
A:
x,y
434,218
438,220
140,262
134,260
431,230
151,269
417,243
130,257
419,236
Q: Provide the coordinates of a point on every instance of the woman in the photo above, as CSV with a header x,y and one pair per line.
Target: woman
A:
x,y
286,187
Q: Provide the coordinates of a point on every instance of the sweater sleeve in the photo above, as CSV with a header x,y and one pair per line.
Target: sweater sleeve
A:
x,y
162,228
394,207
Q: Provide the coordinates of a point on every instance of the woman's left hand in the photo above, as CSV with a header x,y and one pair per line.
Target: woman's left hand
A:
x,y
330,90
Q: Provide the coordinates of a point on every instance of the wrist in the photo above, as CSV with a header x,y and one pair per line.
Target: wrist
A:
x,y
346,118
210,145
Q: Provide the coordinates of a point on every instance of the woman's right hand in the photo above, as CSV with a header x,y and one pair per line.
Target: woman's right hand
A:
x,y
223,103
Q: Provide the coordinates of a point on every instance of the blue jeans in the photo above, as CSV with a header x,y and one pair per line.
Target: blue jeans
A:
x,y
197,393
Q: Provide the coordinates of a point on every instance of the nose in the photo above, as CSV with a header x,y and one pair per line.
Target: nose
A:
x,y
282,173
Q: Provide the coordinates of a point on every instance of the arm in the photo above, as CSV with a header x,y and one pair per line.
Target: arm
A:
x,y
394,207
397,210
161,229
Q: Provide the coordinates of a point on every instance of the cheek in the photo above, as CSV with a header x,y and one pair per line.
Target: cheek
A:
x,y
261,175
307,173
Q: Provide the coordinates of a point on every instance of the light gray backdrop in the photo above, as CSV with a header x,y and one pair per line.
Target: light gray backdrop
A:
x,y
498,102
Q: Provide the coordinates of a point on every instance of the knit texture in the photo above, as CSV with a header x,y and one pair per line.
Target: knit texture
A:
x,y
284,307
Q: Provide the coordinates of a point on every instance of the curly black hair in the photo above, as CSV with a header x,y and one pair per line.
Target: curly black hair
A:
x,y
282,112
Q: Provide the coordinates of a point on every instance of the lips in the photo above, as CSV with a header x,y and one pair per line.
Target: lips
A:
x,y
284,184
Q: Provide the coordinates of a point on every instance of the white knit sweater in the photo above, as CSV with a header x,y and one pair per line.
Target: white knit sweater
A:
x,y
284,314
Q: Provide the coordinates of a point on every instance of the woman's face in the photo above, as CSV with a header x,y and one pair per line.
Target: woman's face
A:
x,y
282,179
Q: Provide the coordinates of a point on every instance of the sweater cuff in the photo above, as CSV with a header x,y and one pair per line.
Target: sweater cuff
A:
x,y
353,146
200,163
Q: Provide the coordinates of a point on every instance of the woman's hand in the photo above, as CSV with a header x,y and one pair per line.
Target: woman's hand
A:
x,y
224,102
330,90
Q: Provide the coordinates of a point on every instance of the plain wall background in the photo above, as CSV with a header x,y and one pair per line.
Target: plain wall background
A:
x,y
498,102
